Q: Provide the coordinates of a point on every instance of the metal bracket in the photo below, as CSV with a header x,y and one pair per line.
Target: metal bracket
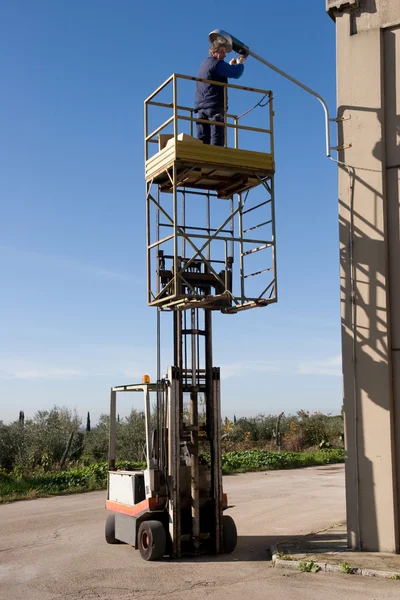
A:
x,y
343,147
341,119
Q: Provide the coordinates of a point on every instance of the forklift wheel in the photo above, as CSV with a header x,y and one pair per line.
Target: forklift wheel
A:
x,y
229,534
110,530
152,540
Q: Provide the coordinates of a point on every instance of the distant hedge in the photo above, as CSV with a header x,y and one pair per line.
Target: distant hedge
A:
x,y
55,439
83,479
260,460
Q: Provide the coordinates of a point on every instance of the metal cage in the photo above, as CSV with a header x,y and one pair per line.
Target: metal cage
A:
x,y
210,210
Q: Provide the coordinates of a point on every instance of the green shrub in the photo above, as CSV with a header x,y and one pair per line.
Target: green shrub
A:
x,y
263,460
84,479
309,567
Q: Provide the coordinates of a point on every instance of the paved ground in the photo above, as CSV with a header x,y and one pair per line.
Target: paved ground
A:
x,y
53,549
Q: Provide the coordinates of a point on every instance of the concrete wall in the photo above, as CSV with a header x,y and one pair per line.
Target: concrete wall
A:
x,y
368,97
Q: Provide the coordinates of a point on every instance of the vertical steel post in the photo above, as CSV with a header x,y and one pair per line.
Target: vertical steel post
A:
x,y
177,285
158,235
216,453
194,468
232,231
146,131
241,247
225,111
148,428
191,122
208,208
174,503
275,286
213,431
148,240
178,358
177,278
183,223
236,133
271,127
271,123
112,452
194,437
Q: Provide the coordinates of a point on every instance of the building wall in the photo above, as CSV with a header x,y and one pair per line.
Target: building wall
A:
x,y
368,98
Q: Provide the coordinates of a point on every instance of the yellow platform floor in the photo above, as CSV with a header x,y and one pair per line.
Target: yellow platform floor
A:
x,y
226,171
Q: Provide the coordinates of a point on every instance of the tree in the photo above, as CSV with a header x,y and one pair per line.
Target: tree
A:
x,y
95,445
51,432
88,422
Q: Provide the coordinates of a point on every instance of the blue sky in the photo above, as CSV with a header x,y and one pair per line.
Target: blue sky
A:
x,y
73,314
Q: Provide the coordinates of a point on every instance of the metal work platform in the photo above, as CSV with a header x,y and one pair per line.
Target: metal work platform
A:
x,y
226,171
207,205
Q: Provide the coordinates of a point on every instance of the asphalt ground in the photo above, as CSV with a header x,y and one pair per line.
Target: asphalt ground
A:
x,y
54,548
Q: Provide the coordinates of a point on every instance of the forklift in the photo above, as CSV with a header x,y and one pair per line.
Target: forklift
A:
x,y
175,506
204,204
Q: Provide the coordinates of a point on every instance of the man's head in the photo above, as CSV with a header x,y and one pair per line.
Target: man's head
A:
x,y
218,48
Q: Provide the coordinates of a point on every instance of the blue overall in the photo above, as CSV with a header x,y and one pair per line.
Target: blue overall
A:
x,y
209,98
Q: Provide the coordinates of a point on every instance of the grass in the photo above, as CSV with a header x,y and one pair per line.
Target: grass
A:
x,y
94,477
284,556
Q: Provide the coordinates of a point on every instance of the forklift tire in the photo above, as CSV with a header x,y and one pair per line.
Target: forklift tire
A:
x,y
229,533
152,540
110,530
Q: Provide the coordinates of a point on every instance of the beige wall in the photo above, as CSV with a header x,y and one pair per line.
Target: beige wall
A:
x,y
368,98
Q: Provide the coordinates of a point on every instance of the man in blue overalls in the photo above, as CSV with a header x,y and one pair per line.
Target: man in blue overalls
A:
x,y
209,98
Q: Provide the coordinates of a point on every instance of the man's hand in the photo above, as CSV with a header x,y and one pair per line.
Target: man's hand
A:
x,y
241,60
233,61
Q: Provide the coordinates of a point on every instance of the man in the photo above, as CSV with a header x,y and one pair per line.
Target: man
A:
x,y
209,98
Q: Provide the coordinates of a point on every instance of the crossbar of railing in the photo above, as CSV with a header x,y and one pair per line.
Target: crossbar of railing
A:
x,y
227,85
257,226
160,128
159,89
184,227
222,124
255,207
253,250
258,272
202,80
223,238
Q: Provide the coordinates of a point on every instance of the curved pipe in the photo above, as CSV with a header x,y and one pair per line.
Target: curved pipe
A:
x,y
307,89
236,45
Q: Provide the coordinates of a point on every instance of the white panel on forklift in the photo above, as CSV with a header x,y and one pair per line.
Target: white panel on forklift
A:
x,y
122,487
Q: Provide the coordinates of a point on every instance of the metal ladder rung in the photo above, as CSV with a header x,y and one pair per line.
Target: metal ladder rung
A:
x,y
193,331
257,226
257,206
263,247
258,272
195,428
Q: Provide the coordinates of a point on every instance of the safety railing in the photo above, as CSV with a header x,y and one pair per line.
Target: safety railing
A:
x,y
183,117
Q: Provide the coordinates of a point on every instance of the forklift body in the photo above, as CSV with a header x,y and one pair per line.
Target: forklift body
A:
x,y
157,510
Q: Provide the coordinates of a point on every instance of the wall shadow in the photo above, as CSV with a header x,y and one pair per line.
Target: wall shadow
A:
x,y
367,329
